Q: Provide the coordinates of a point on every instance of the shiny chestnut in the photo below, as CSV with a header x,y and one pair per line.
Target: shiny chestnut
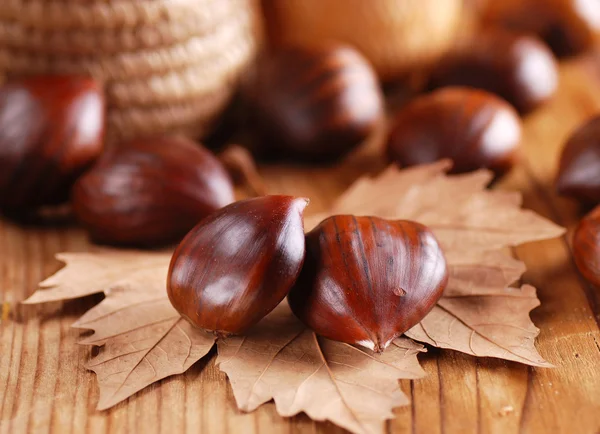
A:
x,y
51,131
579,171
519,68
569,27
366,280
574,26
314,103
150,191
586,247
474,128
235,267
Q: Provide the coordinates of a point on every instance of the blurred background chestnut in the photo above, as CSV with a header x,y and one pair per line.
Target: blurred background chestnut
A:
x,y
314,104
51,130
586,247
150,191
579,170
570,27
519,68
474,128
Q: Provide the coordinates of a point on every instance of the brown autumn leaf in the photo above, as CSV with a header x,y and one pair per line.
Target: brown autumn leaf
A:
x,y
479,314
462,213
282,360
143,338
99,271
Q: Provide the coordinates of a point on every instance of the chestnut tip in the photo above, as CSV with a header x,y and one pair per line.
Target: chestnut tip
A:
x,y
376,346
303,202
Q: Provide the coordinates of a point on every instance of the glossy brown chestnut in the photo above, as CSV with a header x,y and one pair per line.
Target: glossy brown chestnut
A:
x,y
367,280
586,247
238,264
575,26
51,130
569,27
474,128
314,104
150,191
579,171
519,68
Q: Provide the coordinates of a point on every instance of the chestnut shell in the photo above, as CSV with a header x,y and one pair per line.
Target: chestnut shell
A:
x,y
51,131
474,128
367,280
314,104
519,68
235,267
586,246
569,27
150,191
579,171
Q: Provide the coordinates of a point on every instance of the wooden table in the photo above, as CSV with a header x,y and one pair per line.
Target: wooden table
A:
x,y
44,386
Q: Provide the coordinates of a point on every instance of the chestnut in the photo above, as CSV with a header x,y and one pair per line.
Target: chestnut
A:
x,y
586,246
474,128
150,191
366,280
519,68
569,27
579,171
575,27
236,265
51,131
314,104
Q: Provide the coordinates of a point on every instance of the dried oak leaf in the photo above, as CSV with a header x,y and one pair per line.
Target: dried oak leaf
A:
x,y
462,213
479,314
143,338
282,360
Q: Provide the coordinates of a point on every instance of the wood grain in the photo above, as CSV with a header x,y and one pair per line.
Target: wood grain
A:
x,y
44,386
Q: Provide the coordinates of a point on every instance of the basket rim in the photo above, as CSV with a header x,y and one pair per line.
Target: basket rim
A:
x,y
78,41
115,14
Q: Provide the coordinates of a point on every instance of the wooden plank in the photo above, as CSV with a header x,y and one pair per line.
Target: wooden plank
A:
x,y
45,388
569,313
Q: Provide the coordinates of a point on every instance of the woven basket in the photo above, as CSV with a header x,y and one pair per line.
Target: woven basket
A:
x,y
397,36
167,65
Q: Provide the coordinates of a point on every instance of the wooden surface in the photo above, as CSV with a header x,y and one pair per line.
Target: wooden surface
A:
x,y
44,386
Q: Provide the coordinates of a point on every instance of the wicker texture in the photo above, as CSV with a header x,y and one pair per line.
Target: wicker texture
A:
x,y
397,36
167,65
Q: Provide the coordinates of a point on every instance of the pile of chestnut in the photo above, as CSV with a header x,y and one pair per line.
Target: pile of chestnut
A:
x,y
373,278
360,280
146,191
